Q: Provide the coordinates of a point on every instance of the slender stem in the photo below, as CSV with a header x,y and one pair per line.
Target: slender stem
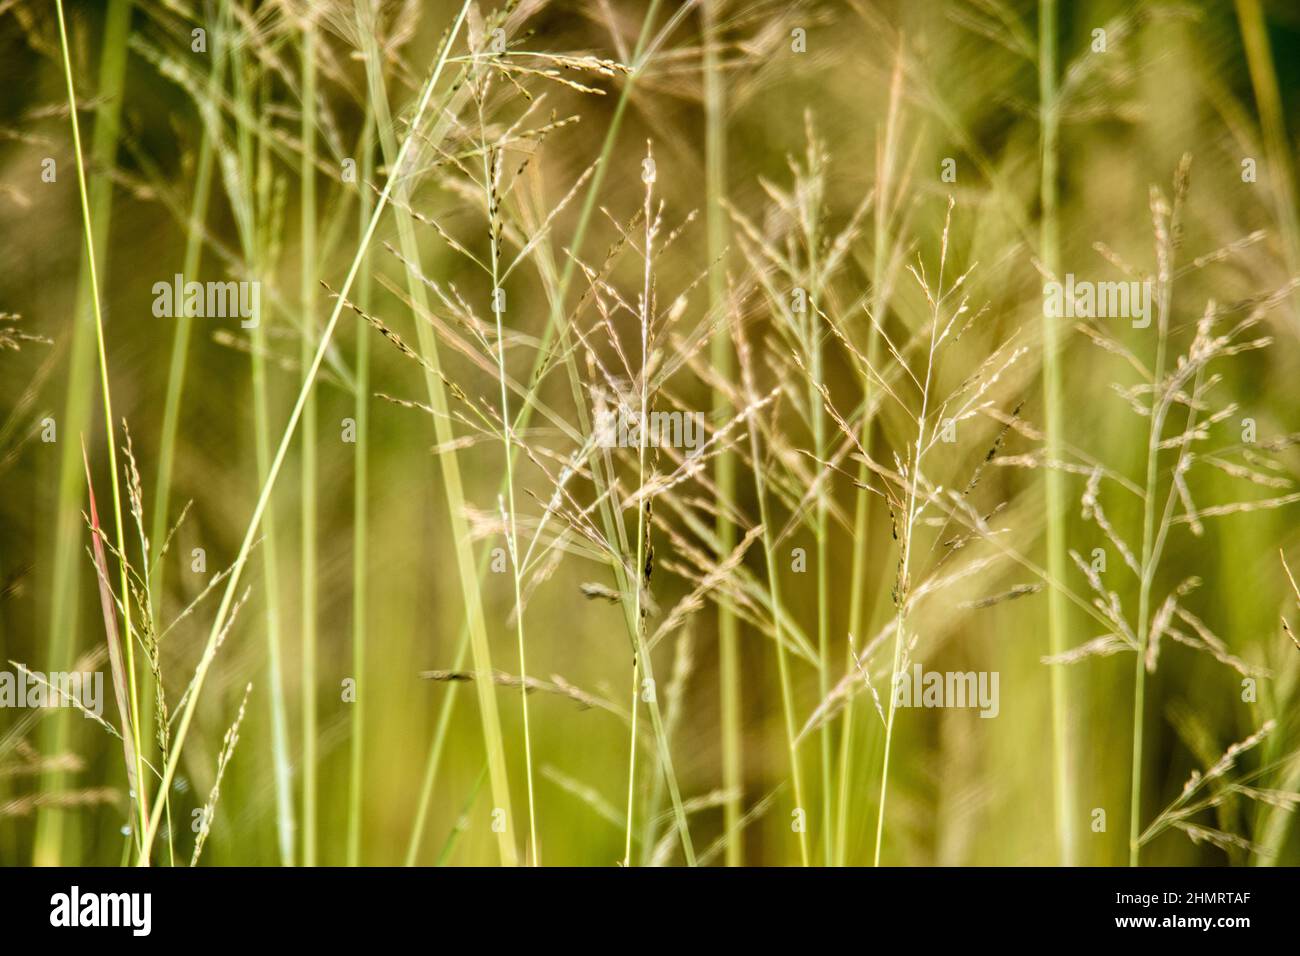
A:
x,y
434,759
821,518
236,571
1054,480
195,229
471,591
185,321
902,593
377,102
1139,665
361,512
1150,559
639,582
554,327
880,283
783,669
715,162
307,616
57,729
490,173
141,795
631,764
254,197
1263,79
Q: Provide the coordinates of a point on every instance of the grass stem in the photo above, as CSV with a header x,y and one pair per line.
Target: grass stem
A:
x,y
140,798
1054,480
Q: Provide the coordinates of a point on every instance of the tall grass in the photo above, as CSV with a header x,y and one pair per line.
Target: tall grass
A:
x,y
361,515
220,619
307,554
1268,99
729,674
883,268
492,160
479,647
254,198
140,785
773,583
772,268
1167,227
1054,501
63,620
194,242
906,534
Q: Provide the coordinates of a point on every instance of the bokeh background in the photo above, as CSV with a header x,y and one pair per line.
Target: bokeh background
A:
x,y
877,84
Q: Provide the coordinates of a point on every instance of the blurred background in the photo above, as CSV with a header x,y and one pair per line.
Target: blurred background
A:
x,y
814,140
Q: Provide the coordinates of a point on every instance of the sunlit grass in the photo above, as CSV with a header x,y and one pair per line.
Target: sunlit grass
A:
x,y
827,230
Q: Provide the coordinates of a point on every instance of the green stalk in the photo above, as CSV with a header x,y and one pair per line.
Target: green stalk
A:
x,y
903,590
367,31
554,327
462,821
257,169
615,530
642,507
471,593
241,559
434,759
1149,562
641,663
141,795
715,164
823,570
48,846
773,583
1139,667
181,345
360,510
307,174
1263,78
185,321
631,761
861,512
1049,116
493,200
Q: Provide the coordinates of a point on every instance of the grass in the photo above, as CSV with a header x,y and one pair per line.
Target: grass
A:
x,y
678,648
907,532
63,623
1065,810
227,599
249,197
492,168
140,796
729,674
883,268
361,520
310,426
1166,227
769,554
479,647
